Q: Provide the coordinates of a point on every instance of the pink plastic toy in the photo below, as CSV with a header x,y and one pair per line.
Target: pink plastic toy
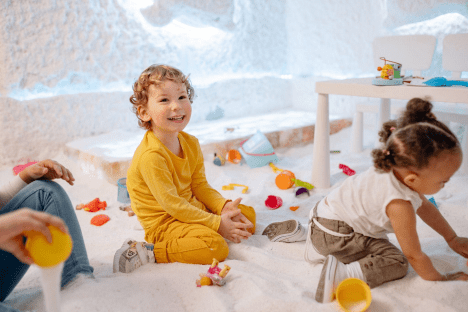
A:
x,y
347,170
19,168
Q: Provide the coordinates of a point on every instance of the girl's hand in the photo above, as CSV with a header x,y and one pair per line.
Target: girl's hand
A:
x,y
14,224
232,230
233,206
46,170
458,276
459,245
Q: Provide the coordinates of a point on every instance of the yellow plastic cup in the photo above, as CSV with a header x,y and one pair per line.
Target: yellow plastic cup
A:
x,y
353,295
45,254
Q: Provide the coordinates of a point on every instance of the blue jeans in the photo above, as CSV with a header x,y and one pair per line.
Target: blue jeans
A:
x,y
49,197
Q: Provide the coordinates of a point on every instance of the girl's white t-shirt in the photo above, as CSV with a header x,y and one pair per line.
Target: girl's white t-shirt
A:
x,y
362,199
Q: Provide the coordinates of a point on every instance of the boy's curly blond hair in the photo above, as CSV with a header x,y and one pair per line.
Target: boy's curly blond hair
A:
x,y
156,75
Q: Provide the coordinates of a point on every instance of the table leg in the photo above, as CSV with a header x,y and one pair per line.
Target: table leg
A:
x,y
384,116
321,152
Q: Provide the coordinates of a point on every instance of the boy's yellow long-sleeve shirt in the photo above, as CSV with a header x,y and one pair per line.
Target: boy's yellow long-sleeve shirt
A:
x,y
164,188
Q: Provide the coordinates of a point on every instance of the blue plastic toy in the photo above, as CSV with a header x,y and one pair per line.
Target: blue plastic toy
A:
x,y
443,82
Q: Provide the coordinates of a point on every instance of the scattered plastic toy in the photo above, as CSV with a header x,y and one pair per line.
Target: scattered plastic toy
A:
x,y
128,209
286,179
294,208
335,152
100,219
219,160
233,156
347,170
230,187
298,191
214,275
93,206
273,202
19,168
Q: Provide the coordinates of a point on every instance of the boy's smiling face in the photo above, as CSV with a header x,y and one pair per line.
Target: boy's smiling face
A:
x,y
168,108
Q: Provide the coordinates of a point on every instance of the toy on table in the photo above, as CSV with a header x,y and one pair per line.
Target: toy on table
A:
x,y
214,275
286,179
100,219
347,170
17,169
389,73
50,258
335,152
230,187
93,206
353,294
273,202
443,82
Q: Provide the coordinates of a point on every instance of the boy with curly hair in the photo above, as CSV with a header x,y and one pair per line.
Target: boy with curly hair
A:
x,y
184,218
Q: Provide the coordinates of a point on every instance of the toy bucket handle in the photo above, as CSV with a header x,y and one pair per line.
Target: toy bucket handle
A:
x,y
250,154
383,58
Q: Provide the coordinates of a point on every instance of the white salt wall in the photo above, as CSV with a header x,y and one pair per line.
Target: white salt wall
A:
x,y
68,66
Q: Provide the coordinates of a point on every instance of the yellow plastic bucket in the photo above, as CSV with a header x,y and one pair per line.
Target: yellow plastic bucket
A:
x,y
353,295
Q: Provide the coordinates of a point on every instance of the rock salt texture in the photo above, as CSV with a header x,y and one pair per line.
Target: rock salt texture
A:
x,y
67,67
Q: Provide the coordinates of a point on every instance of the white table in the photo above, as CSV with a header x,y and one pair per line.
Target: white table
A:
x,y
363,87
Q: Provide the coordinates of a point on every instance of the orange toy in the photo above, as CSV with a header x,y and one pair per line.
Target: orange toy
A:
x,y
95,205
100,219
233,156
284,180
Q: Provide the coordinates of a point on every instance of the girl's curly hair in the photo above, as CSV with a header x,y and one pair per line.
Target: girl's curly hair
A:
x,y
156,75
413,139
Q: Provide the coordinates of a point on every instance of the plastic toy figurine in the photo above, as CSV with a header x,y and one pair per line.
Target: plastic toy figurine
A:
x,y
389,73
214,276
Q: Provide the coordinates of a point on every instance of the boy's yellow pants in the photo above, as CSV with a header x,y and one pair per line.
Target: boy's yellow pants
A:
x,y
195,243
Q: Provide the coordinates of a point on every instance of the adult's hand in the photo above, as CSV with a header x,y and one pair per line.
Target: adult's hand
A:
x,y
14,224
47,170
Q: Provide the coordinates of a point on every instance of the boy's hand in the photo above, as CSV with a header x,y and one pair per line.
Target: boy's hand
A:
x,y
233,230
233,206
47,170
459,245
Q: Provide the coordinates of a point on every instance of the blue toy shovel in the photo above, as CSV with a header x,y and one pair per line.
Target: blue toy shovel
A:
x,y
442,82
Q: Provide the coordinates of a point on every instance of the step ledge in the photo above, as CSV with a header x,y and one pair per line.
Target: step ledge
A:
x,y
109,155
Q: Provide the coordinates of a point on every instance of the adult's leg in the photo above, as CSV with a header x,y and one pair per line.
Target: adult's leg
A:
x,y
49,197
189,243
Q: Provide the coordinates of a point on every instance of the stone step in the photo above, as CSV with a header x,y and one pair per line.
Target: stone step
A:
x,y
108,156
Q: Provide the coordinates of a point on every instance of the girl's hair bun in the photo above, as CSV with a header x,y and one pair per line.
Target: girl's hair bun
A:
x,y
418,110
